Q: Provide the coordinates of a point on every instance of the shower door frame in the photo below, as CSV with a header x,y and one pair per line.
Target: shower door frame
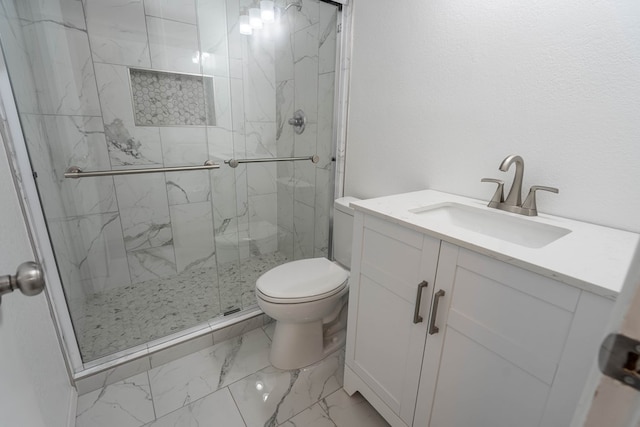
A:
x,y
19,158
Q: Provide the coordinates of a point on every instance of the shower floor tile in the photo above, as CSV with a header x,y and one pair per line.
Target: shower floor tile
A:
x,y
132,315
233,392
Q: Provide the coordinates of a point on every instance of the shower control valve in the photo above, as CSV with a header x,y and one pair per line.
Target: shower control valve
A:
x,y
298,121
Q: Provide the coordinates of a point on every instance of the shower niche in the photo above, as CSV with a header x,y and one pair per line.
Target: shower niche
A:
x,y
171,99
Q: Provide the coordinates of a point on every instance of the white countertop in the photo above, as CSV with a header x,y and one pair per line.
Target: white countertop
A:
x,y
591,257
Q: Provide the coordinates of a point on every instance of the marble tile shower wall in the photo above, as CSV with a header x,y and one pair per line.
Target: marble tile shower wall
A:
x,y
71,59
305,79
112,232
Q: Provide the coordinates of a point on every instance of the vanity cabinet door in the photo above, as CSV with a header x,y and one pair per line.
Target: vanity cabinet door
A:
x,y
502,333
384,345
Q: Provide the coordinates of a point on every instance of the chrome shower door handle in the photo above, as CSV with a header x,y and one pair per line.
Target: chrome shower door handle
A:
x,y
433,329
416,313
29,279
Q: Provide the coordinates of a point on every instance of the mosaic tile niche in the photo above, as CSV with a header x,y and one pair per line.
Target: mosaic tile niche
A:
x,y
171,99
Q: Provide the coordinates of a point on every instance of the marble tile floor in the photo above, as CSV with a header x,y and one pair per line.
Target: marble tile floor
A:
x,y
132,315
230,384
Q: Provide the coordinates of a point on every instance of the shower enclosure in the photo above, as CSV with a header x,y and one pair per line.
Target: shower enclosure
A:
x,y
158,85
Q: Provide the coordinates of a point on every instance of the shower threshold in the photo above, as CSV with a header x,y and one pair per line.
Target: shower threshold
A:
x,y
115,367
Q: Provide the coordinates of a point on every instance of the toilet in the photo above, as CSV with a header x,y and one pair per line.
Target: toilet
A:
x,y
308,299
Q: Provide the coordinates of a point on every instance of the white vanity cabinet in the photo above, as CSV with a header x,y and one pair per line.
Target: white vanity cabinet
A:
x,y
385,346
513,348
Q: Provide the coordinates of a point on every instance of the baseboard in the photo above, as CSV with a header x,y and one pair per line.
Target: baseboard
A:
x,y
73,407
353,383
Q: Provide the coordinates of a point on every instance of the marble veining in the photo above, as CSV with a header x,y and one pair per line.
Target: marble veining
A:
x,y
231,384
327,39
176,10
309,15
126,149
218,406
271,396
188,188
117,32
284,111
306,71
91,234
127,403
292,380
259,81
62,65
183,381
129,247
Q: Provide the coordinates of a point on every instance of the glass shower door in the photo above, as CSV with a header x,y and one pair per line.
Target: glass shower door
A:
x,y
282,208
112,85
108,86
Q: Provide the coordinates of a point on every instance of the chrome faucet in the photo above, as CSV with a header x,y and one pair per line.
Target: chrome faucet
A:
x,y
513,202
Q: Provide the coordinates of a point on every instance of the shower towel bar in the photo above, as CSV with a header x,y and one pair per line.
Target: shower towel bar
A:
x,y
76,172
235,162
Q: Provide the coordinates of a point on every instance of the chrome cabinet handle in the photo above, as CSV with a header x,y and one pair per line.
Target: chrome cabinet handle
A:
x,y
29,279
416,314
433,329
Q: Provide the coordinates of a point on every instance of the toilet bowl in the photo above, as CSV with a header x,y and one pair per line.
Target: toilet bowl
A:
x,y
302,296
308,300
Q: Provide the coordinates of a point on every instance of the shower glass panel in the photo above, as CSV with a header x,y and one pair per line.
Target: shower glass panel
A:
x,y
119,84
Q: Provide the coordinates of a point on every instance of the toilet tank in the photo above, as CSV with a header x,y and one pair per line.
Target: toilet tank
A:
x,y
342,230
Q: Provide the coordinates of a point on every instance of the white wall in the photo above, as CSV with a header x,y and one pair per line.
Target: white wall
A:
x,y
34,387
443,90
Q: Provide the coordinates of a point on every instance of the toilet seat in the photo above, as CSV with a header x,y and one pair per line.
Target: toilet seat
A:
x,y
302,281
301,299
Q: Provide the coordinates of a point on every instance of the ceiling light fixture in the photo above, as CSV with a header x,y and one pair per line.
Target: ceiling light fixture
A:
x,y
267,11
245,25
254,18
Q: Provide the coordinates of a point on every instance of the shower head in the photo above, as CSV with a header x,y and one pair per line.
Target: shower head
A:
x,y
297,4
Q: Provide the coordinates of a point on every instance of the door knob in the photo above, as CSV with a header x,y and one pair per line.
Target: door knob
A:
x,y
29,279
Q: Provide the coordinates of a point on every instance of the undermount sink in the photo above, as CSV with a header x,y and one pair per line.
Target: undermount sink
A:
x,y
499,225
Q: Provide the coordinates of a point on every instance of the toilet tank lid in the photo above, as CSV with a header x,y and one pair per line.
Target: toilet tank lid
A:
x,y
302,278
342,204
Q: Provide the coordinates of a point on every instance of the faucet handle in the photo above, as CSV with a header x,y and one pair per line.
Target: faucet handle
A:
x,y
498,196
530,201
